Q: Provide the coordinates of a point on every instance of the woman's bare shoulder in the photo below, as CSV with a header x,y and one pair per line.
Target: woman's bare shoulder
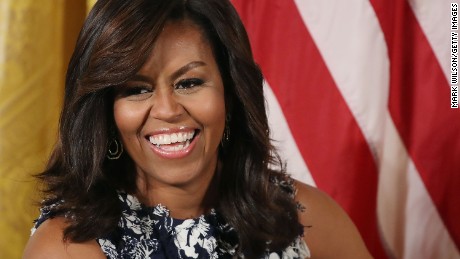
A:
x,y
329,232
47,242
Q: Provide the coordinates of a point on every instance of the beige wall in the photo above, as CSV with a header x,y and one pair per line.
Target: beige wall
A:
x,y
36,40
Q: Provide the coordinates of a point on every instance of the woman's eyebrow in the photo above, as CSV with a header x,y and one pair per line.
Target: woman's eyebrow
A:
x,y
140,78
176,74
186,68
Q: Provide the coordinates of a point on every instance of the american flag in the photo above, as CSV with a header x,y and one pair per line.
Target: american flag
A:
x,y
359,101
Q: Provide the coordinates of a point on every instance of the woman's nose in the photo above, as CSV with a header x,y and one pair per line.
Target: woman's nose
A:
x,y
165,105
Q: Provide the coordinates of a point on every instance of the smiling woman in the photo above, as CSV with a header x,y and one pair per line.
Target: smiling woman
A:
x,y
171,117
164,148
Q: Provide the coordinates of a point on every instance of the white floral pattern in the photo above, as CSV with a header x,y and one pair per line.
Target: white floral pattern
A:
x,y
145,232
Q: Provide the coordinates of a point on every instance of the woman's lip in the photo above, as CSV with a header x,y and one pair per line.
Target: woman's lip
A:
x,y
170,154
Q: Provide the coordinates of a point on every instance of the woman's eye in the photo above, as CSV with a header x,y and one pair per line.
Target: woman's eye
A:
x,y
187,84
135,92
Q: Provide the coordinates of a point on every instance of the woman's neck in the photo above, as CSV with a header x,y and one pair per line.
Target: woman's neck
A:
x,y
183,202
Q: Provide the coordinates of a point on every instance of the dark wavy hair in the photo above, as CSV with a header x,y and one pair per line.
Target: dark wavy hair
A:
x,y
113,44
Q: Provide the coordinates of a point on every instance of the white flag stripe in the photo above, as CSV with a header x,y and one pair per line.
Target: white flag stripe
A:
x,y
284,141
434,19
409,222
426,235
349,38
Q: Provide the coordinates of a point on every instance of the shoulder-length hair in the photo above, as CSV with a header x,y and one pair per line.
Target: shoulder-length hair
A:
x,y
113,44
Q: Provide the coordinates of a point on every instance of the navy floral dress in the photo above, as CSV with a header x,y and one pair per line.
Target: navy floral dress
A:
x,y
149,232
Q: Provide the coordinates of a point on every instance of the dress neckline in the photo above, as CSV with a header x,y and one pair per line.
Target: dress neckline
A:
x,y
206,234
158,210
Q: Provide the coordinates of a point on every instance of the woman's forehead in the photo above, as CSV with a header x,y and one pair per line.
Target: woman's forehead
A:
x,y
180,41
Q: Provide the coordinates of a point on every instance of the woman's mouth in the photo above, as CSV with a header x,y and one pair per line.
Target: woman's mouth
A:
x,y
175,144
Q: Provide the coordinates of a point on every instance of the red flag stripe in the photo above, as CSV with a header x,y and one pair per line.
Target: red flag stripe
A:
x,y
284,141
434,20
333,145
347,34
419,104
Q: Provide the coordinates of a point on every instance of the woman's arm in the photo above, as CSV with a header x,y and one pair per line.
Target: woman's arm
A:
x,y
331,233
47,242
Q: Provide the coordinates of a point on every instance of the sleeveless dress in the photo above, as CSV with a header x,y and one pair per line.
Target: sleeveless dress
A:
x,y
149,232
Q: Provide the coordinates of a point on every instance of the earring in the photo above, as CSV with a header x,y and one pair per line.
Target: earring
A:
x,y
226,137
115,149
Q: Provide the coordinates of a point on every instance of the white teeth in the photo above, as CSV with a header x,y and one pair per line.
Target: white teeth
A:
x,y
173,138
167,139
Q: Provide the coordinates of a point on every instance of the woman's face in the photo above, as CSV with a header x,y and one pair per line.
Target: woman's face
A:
x,y
171,115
